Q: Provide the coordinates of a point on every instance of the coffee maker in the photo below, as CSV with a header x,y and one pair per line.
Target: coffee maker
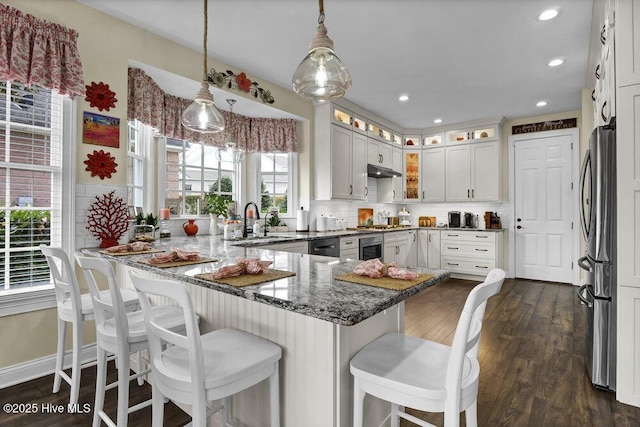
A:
x,y
454,219
470,220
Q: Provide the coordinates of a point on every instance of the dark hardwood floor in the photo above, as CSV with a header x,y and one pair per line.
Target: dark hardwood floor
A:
x,y
532,369
38,392
531,358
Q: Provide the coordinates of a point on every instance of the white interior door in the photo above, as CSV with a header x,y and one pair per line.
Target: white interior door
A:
x,y
543,208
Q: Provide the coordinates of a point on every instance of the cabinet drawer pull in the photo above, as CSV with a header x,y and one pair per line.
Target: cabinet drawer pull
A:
x,y
394,194
350,189
366,191
472,191
451,263
468,191
603,38
604,117
597,73
482,250
452,235
481,237
593,95
423,194
481,266
449,247
348,243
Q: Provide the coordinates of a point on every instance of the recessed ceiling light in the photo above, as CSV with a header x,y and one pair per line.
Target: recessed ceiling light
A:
x,y
548,14
437,121
556,62
403,98
541,104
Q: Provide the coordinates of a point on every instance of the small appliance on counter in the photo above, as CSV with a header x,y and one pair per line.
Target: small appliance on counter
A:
x,y
470,220
454,219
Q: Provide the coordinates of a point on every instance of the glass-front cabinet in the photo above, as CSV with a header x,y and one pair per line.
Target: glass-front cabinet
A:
x,y
348,119
411,173
433,140
411,141
462,136
396,138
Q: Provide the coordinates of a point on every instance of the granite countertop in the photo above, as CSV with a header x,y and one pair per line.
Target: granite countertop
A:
x,y
312,291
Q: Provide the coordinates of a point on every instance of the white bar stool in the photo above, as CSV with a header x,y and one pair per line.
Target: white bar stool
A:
x,y
75,308
200,368
426,375
120,333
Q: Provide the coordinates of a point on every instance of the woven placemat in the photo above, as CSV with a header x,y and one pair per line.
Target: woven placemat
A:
x,y
177,263
384,282
268,275
149,251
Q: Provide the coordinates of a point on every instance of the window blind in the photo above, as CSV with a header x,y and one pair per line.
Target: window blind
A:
x,y
30,182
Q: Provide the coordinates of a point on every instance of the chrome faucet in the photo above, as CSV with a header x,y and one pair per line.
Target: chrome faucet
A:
x,y
246,207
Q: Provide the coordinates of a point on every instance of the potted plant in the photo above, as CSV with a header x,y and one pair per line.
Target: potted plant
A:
x,y
274,224
216,207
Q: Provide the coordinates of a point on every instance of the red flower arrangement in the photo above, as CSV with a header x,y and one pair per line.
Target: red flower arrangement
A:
x,y
108,219
243,82
101,164
99,95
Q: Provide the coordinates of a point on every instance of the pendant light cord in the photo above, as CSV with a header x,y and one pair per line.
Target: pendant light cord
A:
x,y
204,41
321,7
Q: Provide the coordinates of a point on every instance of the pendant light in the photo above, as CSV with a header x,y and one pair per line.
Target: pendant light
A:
x,y
230,152
202,115
321,76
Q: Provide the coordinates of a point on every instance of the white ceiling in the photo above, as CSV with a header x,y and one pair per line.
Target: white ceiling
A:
x,y
458,60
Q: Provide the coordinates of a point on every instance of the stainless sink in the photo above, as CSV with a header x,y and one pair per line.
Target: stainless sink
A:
x,y
260,240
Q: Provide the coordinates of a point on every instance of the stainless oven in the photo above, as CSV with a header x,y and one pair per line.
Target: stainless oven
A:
x,y
371,247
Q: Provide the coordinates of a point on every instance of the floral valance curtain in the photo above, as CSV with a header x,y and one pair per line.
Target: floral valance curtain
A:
x,y
149,104
37,52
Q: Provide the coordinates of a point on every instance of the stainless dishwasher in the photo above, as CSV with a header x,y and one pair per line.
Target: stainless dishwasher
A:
x,y
328,246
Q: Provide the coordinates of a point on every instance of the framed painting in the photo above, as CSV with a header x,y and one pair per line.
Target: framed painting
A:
x,y
100,130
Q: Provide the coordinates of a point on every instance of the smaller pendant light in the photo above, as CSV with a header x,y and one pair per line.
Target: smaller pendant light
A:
x,y
321,76
230,152
202,115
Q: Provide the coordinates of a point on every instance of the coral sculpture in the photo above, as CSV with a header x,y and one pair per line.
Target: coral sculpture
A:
x,y
108,219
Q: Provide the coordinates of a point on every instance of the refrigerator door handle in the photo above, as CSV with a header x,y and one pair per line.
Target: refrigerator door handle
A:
x,y
583,174
584,263
581,296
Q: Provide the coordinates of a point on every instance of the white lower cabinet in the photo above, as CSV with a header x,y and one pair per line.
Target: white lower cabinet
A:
x,y
350,247
470,253
412,248
395,248
429,249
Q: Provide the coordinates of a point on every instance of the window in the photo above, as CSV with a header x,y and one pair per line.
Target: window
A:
x,y
135,164
276,176
31,182
192,170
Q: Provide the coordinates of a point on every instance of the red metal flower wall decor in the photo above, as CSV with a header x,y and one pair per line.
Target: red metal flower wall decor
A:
x,y
101,164
108,219
99,95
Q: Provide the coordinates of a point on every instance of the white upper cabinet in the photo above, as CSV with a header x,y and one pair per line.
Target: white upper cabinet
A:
x,y
434,140
473,172
433,175
627,30
340,156
343,117
380,154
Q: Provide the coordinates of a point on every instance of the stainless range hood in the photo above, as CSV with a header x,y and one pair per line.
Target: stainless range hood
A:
x,y
375,171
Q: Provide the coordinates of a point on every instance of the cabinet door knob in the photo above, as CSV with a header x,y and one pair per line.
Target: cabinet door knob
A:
x,y
519,227
519,219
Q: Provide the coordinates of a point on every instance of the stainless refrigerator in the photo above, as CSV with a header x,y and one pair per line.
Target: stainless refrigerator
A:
x,y
598,218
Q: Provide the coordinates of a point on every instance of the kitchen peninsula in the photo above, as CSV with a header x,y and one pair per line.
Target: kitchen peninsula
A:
x,y
319,322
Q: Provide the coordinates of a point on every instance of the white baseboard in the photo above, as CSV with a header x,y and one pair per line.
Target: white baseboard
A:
x,y
36,368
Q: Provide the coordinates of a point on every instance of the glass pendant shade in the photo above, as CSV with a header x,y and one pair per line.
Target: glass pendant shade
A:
x,y
321,76
202,115
230,153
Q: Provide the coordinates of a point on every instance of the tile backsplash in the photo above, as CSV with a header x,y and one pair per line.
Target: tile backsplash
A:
x,y
348,210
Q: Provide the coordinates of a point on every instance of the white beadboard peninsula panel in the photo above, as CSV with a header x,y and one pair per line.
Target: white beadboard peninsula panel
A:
x,y
316,387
